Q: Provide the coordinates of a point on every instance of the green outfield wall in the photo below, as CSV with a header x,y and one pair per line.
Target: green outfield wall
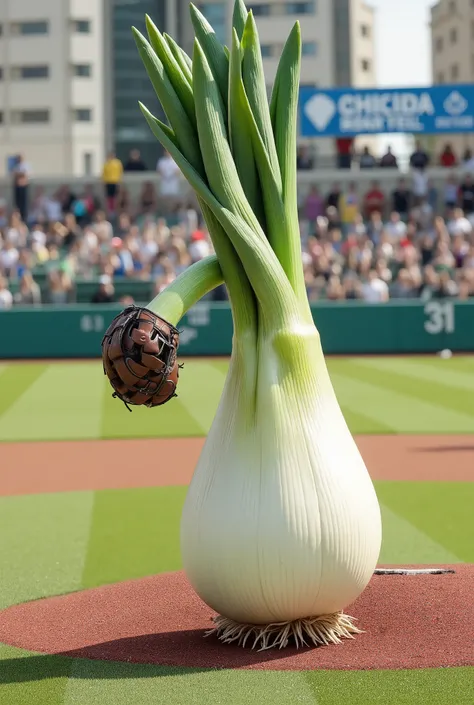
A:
x,y
346,328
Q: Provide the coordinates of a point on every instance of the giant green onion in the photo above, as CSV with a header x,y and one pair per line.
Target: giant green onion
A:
x,y
281,526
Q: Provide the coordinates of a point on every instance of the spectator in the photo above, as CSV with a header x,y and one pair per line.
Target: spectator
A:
x,y
430,286
6,298
389,160
459,224
352,288
53,207
402,199
367,159
468,161
451,192
404,286
170,179
335,290
60,287
419,186
349,204
466,195
448,288
9,256
135,162
111,177
396,228
199,247
3,212
419,160
148,199
21,178
333,197
304,160
29,292
375,290
374,200
106,291
375,227
447,157
313,206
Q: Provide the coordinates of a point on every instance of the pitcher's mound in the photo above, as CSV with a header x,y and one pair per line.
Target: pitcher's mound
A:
x,y
414,621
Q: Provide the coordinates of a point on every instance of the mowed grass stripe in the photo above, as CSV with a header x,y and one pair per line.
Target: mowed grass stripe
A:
x,y
403,413
15,380
122,684
201,385
33,679
441,373
168,421
133,533
44,541
428,390
441,510
433,686
63,403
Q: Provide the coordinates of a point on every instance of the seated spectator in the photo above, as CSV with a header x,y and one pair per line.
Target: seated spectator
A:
x,y
451,190
426,250
395,227
404,286
304,160
374,200
459,248
375,227
313,206
6,297
349,204
65,198
29,292
37,209
199,247
419,159
402,199
419,186
17,230
123,202
170,180
9,257
333,196
448,288
106,291
447,157
73,232
352,288
375,290
430,284
55,207
466,195
367,159
389,160
459,224
3,212
135,162
335,290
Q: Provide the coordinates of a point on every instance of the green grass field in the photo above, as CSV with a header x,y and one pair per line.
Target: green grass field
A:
x,y
56,543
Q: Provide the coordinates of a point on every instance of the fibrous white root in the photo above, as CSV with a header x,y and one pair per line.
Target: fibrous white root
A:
x,y
311,631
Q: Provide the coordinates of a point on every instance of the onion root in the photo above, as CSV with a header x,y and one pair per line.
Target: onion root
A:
x,y
310,631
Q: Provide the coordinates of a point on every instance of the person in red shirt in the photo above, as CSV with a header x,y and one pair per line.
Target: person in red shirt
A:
x,y
374,200
448,158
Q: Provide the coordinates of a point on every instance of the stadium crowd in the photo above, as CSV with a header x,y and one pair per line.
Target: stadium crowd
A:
x,y
415,242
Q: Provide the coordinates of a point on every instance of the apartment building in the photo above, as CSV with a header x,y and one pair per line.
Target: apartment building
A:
x,y
52,84
452,54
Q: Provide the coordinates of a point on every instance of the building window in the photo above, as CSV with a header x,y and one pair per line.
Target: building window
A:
x,y
29,72
81,26
83,115
365,64
453,36
87,163
365,30
309,49
300,8
82,70
262,10
267,50
29,28
440,77
454,72
439,44
30,117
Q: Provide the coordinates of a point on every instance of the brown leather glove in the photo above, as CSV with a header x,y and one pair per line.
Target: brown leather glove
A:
x,y
139,353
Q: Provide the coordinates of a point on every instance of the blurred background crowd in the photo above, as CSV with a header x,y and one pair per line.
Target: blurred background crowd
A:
x,y
102,245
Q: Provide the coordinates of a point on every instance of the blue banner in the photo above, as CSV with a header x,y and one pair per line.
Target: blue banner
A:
x,y
345,112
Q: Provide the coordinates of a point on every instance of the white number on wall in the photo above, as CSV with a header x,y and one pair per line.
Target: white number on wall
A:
x,y
92,324
440,317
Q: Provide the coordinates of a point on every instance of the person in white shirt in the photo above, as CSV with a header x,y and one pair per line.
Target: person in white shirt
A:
x,y
375,290
170,176
6,298
459,225
395,226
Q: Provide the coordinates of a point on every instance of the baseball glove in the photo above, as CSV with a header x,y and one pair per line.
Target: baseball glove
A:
x,y
139,355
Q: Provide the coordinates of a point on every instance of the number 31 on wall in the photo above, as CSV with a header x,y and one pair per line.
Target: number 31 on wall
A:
x,y
440,317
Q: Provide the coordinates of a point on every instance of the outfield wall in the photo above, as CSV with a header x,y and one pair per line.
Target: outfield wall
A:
x,y
346,328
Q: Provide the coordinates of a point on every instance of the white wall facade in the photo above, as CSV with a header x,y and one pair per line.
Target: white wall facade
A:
x,y
56,146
